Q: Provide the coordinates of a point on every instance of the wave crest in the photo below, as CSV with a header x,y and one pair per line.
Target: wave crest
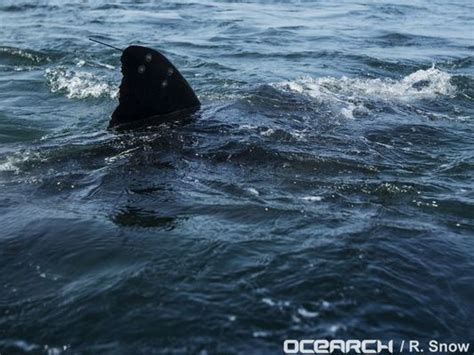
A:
x,y
17,54
351,93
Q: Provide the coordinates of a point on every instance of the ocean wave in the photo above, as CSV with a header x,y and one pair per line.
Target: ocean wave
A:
x,y
79,84
17,54
13,163
351,94
26,7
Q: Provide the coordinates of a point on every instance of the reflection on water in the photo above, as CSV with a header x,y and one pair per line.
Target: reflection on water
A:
x,y
135,217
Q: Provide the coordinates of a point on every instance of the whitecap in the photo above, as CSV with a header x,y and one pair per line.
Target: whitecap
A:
x,y
261,334
268,132
78,84
350,94
25,54
253,191
105,65
268,301
335,328
275,303
12,162
25,346
307,314
325,305
312,198
9,166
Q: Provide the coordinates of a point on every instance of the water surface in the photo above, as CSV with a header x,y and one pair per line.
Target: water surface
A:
x,y
323,190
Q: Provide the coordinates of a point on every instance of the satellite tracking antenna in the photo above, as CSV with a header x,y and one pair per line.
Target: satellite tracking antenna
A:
x,y
105,44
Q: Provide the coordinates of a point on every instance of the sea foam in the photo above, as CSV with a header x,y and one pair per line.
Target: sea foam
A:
x,y
350,94
78,84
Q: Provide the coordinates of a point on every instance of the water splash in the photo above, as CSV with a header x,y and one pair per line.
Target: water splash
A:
x,y
9,166
12,163
350,94
79,84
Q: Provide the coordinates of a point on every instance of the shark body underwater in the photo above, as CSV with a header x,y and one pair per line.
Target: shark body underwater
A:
x,y
152,91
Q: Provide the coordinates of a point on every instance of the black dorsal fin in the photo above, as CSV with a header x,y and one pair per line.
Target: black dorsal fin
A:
x,y
151,87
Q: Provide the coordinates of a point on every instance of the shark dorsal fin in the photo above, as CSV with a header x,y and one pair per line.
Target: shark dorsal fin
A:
x,y
152,88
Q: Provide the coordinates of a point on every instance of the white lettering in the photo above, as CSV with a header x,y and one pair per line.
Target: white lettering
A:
x,y
291,346
337,345
436,346
353,345
321,347
414,346
304,349
366,349
464,347
388,347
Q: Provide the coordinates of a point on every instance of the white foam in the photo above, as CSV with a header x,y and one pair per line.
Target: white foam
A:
x,y
307,314
268,132
349,94
312,198
12,163
23,54
268,301
80,62
272,303
9,166
253,191
25,346
78,84
325,305
261,334
105,65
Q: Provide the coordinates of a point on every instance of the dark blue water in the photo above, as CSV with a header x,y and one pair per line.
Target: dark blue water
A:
x,y
324,190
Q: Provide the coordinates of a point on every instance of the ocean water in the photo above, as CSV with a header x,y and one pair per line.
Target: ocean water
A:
x,y
324,189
